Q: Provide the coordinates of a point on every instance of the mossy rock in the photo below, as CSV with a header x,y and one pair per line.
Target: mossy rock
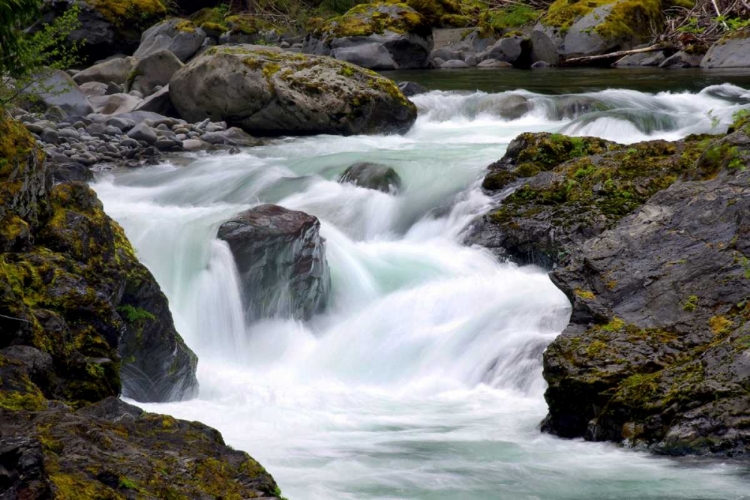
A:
x,y
375,18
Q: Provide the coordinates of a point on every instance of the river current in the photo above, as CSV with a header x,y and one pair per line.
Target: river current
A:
x,y
423,378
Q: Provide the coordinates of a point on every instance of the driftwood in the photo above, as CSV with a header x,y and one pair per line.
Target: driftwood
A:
x,y
613,55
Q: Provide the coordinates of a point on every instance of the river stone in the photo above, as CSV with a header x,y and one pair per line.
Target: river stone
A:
x,y
115,70
231,137
507,49
454,64
94,89
281,259
143,132
641,60
267,91
179,36
154,70
494,64
159,102
729,53
372,176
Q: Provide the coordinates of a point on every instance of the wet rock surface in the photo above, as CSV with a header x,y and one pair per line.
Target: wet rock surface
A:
x,y
281,260
650,247
372,176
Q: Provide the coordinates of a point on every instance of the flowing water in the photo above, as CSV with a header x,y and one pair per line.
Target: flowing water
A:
x,y
423,378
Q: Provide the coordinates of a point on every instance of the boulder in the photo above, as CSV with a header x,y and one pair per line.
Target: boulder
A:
x,y
454,64
114,104
507,49
154,70
641,60
682,59
267,91
106,28
233,136
281,260
729,52
179,36
94,89
372,176
57,88
646,242
507,106
494,64
367,55
579,28
115,70
410,89
158,102
143,132
398,29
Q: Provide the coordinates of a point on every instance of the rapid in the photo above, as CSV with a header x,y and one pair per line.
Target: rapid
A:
x,y
423,378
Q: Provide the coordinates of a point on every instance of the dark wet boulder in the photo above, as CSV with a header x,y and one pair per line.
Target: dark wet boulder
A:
x,y
377,35
682,59
641,60
281,260
729,52
410,89
372,176
111,449
267,91
179,36
72,287
647,241
508,49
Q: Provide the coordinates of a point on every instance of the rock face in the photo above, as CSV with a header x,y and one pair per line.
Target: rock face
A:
x,y
266,91
115,450
179,36
281,260
377,35
729,52
649,246
372,176
71,287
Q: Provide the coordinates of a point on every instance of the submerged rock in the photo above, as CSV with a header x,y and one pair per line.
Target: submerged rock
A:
x,y
372,176
267,91
410,89
281,260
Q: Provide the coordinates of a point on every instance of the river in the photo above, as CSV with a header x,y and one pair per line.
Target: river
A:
x,y
423,378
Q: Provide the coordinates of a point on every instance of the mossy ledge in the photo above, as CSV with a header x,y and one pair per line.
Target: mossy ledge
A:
x,y
647,242
78,315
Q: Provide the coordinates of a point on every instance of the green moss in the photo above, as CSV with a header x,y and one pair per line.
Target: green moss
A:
x,y
185,26
690,304
130,13
627,17
507,18
584,294
374,18
135,314
720,325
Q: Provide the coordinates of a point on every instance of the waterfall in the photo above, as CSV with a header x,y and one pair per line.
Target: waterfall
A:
x,y
422,379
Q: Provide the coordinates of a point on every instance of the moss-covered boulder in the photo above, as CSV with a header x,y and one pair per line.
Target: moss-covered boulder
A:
x,y
584,28
379,35
72,287
648,241
108,27
267,91
117,451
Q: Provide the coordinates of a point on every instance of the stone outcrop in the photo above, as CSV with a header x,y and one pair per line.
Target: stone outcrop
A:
x,y
267,91
281,260
648,243
71,287
377,35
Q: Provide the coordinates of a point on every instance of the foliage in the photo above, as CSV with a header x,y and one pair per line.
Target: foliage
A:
x,y
14,14
29,58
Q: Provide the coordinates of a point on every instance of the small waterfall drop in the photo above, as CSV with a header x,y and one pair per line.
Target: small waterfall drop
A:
x,y
422,379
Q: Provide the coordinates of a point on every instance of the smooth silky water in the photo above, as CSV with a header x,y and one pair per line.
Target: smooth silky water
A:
x,y
423,379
